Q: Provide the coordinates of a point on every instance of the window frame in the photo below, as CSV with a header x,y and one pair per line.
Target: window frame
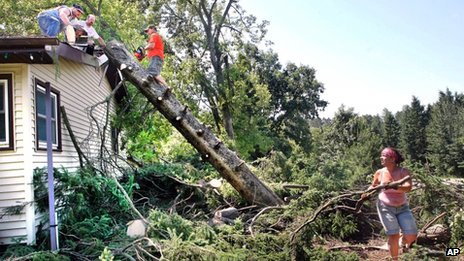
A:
x,y
8,144
42,145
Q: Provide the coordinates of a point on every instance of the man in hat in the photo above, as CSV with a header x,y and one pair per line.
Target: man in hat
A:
x,y
92,34
54,21
155,53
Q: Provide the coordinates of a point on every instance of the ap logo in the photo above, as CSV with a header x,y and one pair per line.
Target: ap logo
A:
x,y
452,251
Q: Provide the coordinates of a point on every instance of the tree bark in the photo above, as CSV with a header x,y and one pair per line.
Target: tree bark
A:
x,y
225,161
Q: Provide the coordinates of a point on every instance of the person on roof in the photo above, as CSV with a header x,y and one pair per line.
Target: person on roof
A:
x,y
87,25
53,21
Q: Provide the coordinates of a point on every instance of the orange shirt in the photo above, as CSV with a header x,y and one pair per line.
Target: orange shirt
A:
x,y
158,50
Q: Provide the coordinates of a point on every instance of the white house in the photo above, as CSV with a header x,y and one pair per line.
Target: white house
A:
x,y
78,82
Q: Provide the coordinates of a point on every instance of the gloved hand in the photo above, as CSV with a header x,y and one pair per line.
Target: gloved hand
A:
x,y
139,54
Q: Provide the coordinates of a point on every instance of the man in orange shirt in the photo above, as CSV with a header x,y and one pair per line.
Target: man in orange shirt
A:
x,y
155,53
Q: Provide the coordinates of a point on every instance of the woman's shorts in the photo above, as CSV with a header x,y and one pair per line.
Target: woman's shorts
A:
x,y
395,218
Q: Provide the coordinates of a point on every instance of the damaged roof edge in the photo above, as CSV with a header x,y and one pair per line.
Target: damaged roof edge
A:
x,y
43,50
25,49
68,52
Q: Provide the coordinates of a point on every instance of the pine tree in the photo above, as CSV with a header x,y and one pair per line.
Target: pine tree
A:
x,y
391,130
445,134
413,141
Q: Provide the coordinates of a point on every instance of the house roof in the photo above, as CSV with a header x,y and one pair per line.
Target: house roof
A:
x,y
43,50
16,41
26,49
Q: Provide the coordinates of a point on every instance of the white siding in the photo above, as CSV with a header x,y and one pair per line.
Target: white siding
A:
x,y
13,181
80,86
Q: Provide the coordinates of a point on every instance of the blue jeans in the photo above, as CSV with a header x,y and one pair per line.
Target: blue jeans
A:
x,y
50,23
395,218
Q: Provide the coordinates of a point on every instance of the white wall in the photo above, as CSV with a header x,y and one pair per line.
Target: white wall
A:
x,y
80,86
13,180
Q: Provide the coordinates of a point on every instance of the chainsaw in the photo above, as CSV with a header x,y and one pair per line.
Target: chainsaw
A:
x,y
139,53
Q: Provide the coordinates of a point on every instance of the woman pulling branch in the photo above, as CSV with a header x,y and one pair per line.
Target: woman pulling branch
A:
x,y
392,205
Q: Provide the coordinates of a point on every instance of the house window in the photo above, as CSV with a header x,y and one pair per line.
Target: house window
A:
x,y
41,134
6,112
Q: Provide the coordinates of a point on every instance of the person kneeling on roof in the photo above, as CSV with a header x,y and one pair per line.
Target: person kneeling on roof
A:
x,y
53,21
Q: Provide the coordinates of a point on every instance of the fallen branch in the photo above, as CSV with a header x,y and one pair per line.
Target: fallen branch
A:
x,y
172,209
433,234
362,247
253,220
431,222
365,195
136,243
73,138
390,185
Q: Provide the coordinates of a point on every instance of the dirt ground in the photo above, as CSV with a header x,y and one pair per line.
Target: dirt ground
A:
x,y
376,249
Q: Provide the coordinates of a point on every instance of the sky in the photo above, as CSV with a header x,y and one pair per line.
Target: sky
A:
x,y
370,55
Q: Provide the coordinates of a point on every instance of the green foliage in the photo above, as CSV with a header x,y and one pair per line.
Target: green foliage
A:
x,y
24,11
49,256
295,98
124,20
391,130
413,121
262,246
251,99
457,229
178,249
339,225
106,255
275,168
87,206
16,250
189,172
445,134
163,226
79,192
145,130
231,194
430,204
100,227
186,240
324,255
309,201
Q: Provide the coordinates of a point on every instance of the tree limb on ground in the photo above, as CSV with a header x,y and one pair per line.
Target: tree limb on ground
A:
x,y
354,247
250,228
365,195
431,222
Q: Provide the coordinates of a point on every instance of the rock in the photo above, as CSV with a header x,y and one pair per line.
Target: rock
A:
x,y
224,216
136,228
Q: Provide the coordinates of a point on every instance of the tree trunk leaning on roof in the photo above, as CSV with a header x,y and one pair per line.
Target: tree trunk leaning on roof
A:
x,y
225,161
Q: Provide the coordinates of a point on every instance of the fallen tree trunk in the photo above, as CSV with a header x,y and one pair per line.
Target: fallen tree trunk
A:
x,y
225,161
